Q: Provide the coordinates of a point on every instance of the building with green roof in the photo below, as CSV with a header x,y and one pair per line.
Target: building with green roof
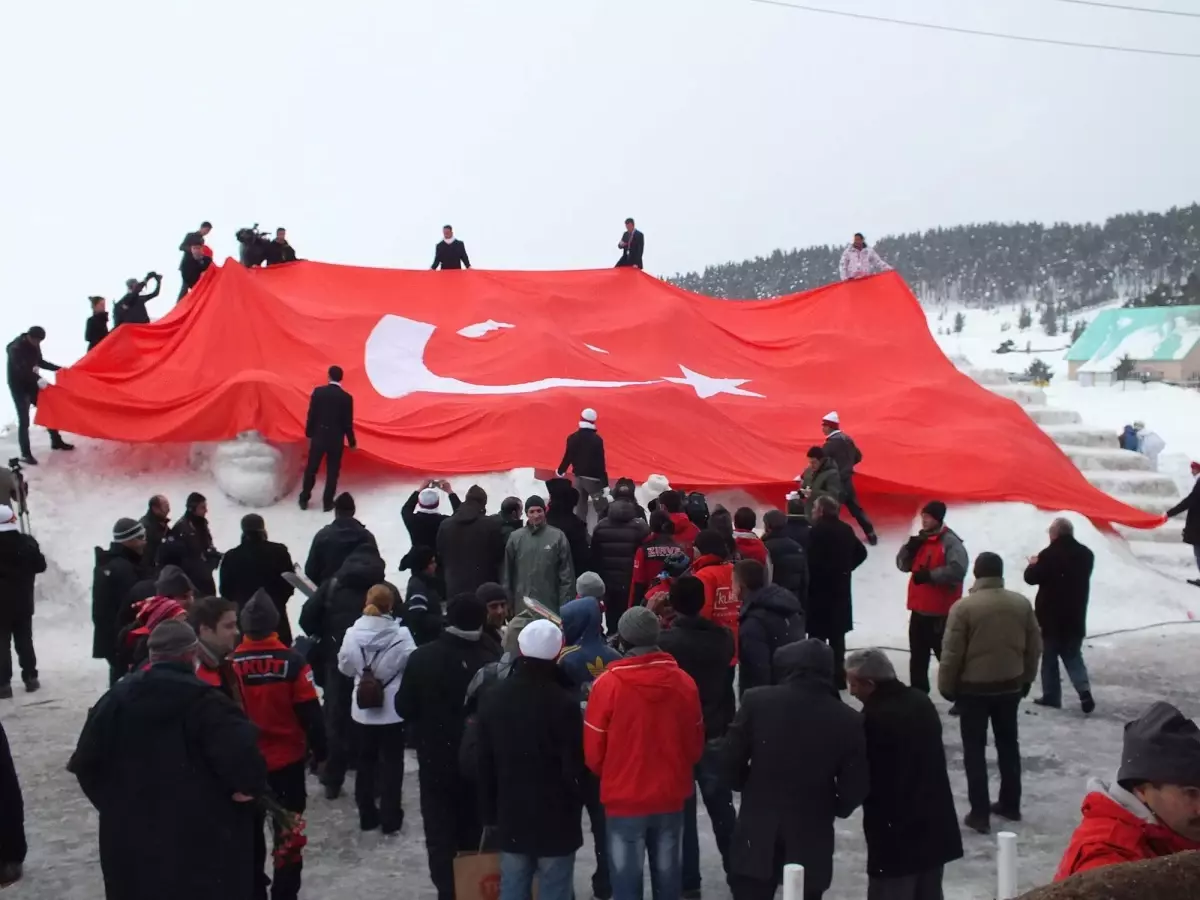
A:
x,y
1162,341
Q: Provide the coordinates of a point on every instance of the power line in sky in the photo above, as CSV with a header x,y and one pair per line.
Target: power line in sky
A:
x,y
1146,51
1126,8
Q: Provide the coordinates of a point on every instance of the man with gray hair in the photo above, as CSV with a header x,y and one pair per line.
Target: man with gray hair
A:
x,y
172,766
1063,574
909,819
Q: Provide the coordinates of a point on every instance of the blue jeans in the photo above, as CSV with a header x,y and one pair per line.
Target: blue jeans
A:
x,y
1071,654
555,875
630,838
718,800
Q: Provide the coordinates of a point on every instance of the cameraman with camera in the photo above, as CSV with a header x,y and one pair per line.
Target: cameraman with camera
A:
x,y
131,309
255,246
279,250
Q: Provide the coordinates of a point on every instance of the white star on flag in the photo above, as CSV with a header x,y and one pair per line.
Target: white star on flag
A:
x,y
706,386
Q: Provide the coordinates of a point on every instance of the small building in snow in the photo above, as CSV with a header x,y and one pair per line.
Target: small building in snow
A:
x,y
1163,342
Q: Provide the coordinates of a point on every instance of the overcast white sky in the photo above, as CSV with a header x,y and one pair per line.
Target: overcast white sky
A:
x,y
727,128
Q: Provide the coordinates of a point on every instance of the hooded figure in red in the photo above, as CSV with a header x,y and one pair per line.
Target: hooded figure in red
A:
x,y
1153,807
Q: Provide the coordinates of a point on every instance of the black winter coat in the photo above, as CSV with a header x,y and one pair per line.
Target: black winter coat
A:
x,y
614,544
844,452
585,455
770,618
117,570
431,700
160,757
1191,525
470,549
451,256
329,423
423,527
21,561
258,563
24,359
200,557
422,613
799,530
332,546
798,755
277,253
834,553
191,269
96,329
339,601
530,731
13,846
789,563
131,309
1063,574
565,520
908,817
156,532
704,650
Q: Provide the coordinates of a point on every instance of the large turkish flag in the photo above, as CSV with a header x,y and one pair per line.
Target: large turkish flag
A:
x,y
477,371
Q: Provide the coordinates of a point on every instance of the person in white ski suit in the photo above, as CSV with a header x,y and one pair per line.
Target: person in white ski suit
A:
x,y
1150,445
859,260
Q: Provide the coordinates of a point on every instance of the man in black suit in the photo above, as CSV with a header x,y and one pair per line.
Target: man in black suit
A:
x,y
330,426
451,253
632,243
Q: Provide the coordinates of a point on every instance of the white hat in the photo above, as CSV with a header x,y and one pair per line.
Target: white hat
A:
x,y
832,418
540,639
428,499
8,519
588,415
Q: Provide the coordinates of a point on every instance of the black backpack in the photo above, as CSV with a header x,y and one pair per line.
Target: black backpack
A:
x,y
370,691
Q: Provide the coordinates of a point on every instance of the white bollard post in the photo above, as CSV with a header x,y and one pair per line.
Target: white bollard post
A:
x,y
1006,865
793,882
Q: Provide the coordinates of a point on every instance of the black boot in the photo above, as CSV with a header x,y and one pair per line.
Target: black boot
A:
x,y
60,444
1088,704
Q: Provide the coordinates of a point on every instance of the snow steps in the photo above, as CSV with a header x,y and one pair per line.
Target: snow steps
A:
x,y
1081,436
1091,459
1117,482
1024,394
1050,415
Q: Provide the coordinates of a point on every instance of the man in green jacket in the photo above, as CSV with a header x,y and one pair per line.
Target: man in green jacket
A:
x,y
990,656
820,479
537,561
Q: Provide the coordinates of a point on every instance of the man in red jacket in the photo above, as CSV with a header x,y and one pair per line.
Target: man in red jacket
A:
x,y
643,735
938,562
1153,808
749,544
685,528
652,555
712,566
281,700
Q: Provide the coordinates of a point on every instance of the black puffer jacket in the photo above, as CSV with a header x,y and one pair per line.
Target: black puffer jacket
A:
x,y
704,650
21,561
422,613
470,549
770,618
614,544
561,515
789,563
117,571
332,546
339,602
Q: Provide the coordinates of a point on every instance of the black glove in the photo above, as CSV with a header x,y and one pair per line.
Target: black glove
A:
x,y
913,545
922,576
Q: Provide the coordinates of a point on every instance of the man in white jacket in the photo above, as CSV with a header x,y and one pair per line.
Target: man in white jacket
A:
x,y
859,260
379,645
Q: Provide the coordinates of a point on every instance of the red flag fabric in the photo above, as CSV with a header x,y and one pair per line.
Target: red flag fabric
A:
x,y
479,371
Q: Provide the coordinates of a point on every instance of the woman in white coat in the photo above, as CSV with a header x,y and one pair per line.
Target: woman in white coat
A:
x,y
374,653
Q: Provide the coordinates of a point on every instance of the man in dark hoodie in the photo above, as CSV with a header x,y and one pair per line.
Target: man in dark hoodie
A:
x,y
117,571
96,329
200,557
788,810
431,701
771,617
615,543
326,615
470,545
789,562
423,601
421,516
585,457
334,543
563,515
258,564
704,650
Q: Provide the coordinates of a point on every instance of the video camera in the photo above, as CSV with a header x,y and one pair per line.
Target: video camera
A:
x,y
20,493
141,285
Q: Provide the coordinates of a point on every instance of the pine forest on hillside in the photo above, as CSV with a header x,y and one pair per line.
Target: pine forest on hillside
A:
x,y
1063,266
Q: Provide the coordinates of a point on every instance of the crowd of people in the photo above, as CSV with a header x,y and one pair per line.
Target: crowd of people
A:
x,y
542,666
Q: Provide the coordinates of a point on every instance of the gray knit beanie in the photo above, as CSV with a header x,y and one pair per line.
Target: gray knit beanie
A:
x,y
638,627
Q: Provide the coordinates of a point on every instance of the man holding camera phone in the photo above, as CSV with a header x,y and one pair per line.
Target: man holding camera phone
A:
x,y
131,309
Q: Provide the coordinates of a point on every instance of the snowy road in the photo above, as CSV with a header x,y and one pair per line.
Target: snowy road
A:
x,y
1061,750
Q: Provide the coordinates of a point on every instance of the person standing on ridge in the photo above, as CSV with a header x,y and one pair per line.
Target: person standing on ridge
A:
x,y
845,455
24,383
131,308
451,253
585,456
938,562
1063,573
195,263
632,245
195,239
279,250
859,260
96,329
329,428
